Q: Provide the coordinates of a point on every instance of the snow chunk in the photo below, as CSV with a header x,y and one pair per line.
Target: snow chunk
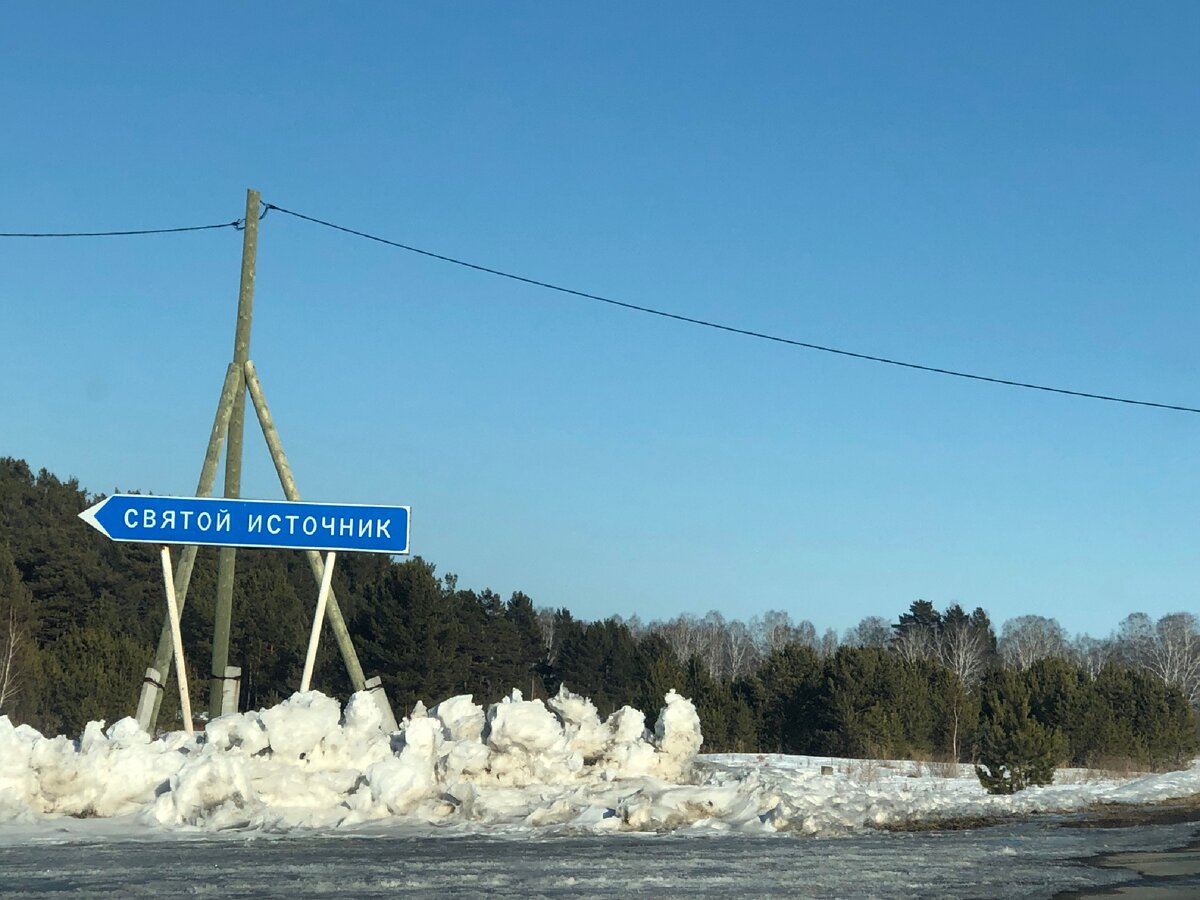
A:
x,y
461,718
527,743
401,782
581,724
297,726
677,736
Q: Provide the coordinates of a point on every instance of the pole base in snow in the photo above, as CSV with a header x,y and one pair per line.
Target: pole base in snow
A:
x,y
148,699
375,686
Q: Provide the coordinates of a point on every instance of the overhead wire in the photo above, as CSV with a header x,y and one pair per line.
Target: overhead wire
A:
x,y
236,223
647,310
758,335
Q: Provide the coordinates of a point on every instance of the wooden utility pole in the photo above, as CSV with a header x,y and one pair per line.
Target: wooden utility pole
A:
x,y
242,378
227,556
156,678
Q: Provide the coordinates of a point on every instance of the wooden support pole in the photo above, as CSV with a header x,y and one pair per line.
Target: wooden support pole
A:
x,y
318,620
340,632
152,689
185,703
227,556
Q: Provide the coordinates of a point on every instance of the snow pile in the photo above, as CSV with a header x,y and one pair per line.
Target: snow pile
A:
x,y
308,763
517,766
795,794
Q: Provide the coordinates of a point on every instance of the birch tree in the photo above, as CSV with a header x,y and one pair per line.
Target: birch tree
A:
x,y
873,631
1092,653
17,650
1174,653
914,644
1026,639
773,631
1135,639
740,650
962,648
682,635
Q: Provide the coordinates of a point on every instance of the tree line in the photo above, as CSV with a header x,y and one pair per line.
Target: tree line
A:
x,y
80,616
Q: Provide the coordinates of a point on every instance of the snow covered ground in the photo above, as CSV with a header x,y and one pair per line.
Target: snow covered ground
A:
x,y
527,797
519,765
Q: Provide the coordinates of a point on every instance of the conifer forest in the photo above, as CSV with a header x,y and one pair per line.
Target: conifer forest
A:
x,y
80,617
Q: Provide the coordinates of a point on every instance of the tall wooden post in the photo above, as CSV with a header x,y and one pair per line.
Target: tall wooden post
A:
x,y
226,556
152,688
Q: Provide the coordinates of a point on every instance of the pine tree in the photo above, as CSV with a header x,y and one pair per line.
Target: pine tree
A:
x,y
410,633
794,713
957,712
1058,699
663,673
1015,750
91,674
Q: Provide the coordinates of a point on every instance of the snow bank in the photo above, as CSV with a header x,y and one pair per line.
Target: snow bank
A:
x,y
793,793
519,765
308,763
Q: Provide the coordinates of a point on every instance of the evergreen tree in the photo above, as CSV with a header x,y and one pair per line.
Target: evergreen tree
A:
x,y
880,704
271,627
917,632
712,700
1014,749
793,712
601,659
663,673
90,674
410,635
982,624
956,711
578,658
1058,697
528,654
1142,721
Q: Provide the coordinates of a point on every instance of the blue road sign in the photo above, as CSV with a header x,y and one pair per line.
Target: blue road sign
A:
x,y
224,522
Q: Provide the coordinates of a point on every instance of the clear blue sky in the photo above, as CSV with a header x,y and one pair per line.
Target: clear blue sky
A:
x,y
1009,190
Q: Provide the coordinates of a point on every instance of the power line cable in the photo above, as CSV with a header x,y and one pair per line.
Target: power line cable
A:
x,y
730,328
236,223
